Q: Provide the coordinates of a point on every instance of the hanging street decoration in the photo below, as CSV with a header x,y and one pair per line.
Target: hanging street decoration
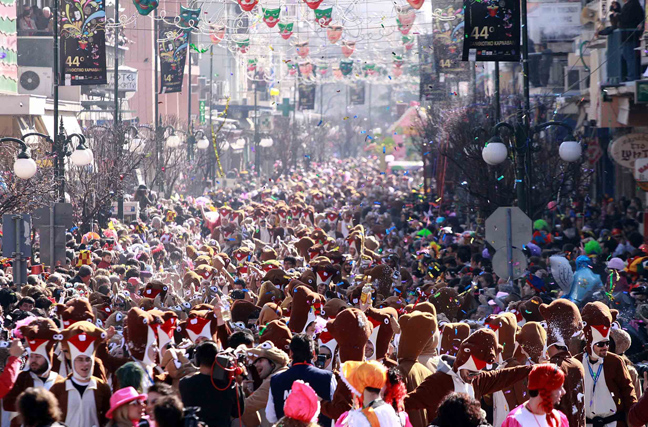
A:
x,y
492,31
292,68
144,7
306,68
172,50
408,42
252,65
334,33
346,67
243,45
348,47
216,33
405,19
322,69
248,5
398,61
286,30
313,4
416,4
189,18
324,16
83,43
271,16
302,49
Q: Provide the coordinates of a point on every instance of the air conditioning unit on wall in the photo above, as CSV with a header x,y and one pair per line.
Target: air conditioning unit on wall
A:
x,y
35,81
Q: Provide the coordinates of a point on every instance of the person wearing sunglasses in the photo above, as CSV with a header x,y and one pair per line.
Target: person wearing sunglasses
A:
x,y
126,408
609,392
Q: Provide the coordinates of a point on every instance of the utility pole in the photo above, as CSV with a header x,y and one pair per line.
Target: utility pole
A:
x,y
294,148
257,155
116,120
498,112
212,167
369,108
156,107
59,164
190,140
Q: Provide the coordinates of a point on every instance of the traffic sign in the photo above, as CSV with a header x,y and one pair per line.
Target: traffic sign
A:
x,y
496,228
16,239
52,225
501,264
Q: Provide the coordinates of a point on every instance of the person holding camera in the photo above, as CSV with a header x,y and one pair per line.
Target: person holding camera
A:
x,y
302,351
268,360
219,397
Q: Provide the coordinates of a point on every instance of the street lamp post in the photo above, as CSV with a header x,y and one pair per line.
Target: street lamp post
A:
x,y
63,146
172,141
495,152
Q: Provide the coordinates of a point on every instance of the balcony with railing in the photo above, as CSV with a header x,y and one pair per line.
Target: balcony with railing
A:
x,y
623,60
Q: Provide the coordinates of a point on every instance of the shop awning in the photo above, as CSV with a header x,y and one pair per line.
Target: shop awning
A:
x,y
70,123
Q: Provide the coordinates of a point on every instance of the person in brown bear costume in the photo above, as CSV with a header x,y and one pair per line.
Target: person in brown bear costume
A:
x,y
306,304
417,329
385,326
464,374
505,326
41,335
609,392
563,321
278,333
429,357
351,329
83,398
451,336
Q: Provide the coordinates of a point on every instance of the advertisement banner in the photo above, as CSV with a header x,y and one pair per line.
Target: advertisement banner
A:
x,y
172,49
83,43
357,94
307,96
492,30
448,31
430,86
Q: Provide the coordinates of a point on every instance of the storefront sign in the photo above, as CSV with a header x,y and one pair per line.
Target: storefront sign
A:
x,y
127,81
628,148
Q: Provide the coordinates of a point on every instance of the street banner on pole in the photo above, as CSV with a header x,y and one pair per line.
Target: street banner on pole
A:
x,y
430,86
448,36
492,30
172,49
83,43
357,94
306,96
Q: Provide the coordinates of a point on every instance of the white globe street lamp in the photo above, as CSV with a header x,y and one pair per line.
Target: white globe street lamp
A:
x,y
24,167
495,152
173,141
203,143
570,151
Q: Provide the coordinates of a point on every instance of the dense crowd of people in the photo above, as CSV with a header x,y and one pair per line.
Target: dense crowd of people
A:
x,y
338,296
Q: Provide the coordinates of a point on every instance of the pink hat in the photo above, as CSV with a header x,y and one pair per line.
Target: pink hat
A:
x,y
302,404
122,397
